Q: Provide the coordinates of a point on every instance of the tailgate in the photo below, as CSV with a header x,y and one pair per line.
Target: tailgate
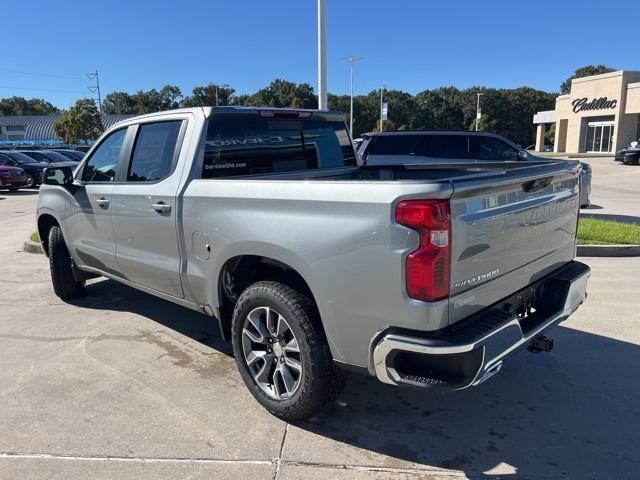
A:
x,y
510,231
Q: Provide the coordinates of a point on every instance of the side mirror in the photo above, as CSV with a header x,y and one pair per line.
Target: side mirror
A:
x,y
62,176
522,155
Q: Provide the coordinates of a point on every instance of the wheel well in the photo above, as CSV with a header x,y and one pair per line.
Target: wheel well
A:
x,y
45,222
240,272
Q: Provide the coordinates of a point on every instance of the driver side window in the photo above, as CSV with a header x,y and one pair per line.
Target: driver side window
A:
x,y
103,164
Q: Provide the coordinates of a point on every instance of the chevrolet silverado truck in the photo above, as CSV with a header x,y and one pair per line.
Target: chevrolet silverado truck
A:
x,y
422,276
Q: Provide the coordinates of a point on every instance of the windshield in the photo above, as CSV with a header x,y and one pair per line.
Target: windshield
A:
x,y
20,157
56,157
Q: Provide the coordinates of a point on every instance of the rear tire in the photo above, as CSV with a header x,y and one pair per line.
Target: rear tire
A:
x,y
13,189
64,283
276,327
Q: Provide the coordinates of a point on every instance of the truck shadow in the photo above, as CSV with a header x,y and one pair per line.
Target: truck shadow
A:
x,y
110,295
573,413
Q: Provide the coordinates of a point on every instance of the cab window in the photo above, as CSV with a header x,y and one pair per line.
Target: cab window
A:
x,y
103,164
153,151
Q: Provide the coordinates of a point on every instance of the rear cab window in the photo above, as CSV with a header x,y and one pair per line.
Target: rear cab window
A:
x,y
154,151
251,145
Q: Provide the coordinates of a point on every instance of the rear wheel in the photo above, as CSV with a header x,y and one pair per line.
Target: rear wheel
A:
x,y
31,182
282,352
64,283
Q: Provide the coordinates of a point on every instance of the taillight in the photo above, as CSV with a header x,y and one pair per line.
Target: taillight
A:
x,y
428,268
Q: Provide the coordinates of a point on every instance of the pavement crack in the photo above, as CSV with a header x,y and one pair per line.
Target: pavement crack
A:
x,y
278,460
110,458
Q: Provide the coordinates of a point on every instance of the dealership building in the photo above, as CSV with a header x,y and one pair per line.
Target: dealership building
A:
x,y
600,114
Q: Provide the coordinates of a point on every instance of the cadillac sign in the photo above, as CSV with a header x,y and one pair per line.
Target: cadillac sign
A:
x,y
602,103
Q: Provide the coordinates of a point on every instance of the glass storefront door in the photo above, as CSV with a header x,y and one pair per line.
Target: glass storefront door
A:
x,y
599,137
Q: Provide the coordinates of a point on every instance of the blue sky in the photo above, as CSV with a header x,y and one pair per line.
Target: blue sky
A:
x,y
406,44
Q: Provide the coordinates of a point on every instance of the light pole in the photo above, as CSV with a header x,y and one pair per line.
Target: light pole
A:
x,y
478,110
322,57
381,105
351,59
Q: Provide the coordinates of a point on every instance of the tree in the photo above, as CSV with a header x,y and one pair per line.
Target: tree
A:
x,y
402,108
282,93
119,103
167,98
205,96
22,106
550,134
80,122
141,102
585,71
439,109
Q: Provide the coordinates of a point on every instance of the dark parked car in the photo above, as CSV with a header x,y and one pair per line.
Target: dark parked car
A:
x,y
75,155
83,148
12,178
50,157
33,169
437,147
629,155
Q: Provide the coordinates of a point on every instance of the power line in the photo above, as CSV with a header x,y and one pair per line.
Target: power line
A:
x,y
39,74
40,89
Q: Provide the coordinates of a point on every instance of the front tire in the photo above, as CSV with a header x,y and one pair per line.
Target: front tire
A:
x,y
64,283
31,181
282,352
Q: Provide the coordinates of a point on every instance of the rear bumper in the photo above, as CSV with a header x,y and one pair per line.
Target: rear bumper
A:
x,y
473,350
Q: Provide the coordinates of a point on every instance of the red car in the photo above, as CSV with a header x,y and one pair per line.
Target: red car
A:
x,y
12,178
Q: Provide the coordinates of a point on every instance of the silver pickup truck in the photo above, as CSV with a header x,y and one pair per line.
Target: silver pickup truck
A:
x,y
426,276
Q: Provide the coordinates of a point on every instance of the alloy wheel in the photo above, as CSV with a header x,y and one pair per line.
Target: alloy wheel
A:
x,y
272,353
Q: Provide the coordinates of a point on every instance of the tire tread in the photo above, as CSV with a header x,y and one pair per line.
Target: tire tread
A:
x,y
64,283
323,383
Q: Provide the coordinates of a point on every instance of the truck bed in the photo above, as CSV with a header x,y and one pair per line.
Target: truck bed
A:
x,y
423,172
511,223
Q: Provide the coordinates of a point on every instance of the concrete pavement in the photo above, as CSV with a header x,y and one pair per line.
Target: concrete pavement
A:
x,y
615,190
121,384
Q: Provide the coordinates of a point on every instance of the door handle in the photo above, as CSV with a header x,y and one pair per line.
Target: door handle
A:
x,y
161,207
103,202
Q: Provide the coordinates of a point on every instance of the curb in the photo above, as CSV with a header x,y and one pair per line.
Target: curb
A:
x,y
609,250
32,247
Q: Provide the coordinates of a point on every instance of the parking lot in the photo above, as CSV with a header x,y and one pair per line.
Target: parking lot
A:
x,y
121,384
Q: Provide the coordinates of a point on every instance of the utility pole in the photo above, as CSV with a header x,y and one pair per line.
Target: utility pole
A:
x,y
478,111
322,57
351,59
95,88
